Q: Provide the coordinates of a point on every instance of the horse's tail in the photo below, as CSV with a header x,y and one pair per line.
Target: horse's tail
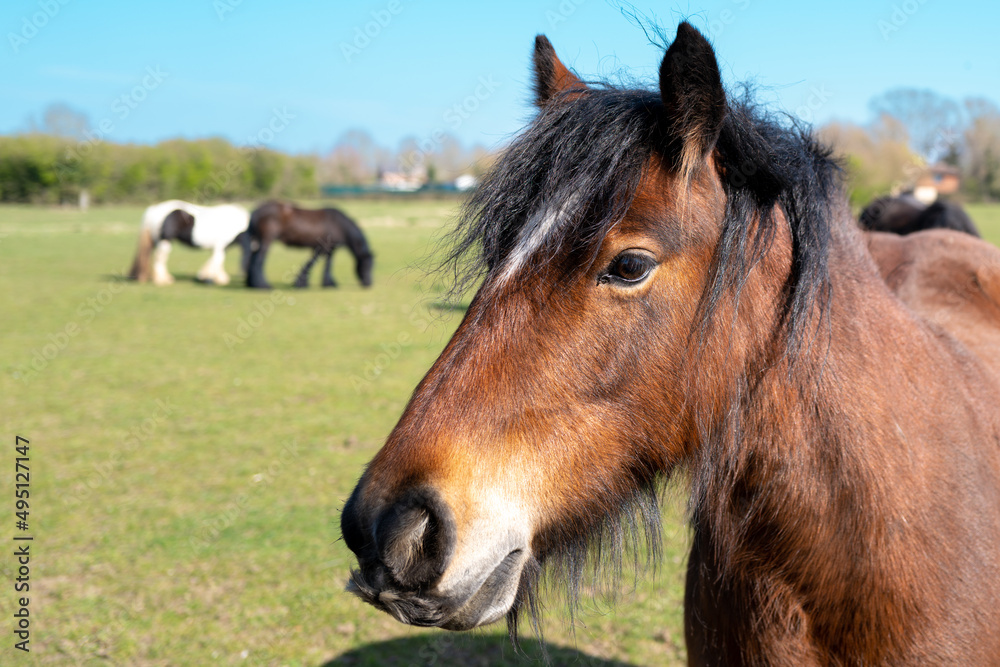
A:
x,y
143,253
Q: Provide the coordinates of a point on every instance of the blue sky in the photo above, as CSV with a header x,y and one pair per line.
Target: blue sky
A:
x,y
198,68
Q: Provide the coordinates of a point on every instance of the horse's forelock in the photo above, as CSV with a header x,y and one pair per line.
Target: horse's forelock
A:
x,y
569,176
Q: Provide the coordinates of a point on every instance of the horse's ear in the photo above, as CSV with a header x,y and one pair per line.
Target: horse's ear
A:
x,y
692,93
552,78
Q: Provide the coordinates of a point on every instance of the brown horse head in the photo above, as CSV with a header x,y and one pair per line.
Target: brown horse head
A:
x,y
616,240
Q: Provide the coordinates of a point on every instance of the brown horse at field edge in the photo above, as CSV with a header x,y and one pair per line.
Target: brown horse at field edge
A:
x,y
673,280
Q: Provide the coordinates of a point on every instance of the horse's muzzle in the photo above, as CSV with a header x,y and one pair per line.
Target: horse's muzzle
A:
x,y
403,555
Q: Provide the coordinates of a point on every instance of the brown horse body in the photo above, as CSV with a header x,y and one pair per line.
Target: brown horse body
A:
x,y
950,281
714,308
322,230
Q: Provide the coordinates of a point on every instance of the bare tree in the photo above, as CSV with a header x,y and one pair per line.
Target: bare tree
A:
x,y
440,156
354,159
932,121
877,156
62,120
980,159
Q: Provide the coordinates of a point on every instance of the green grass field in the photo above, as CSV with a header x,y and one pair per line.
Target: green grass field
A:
x,y
191,447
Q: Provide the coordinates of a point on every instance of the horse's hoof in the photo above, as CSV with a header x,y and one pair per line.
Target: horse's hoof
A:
x,y
298,285
329,284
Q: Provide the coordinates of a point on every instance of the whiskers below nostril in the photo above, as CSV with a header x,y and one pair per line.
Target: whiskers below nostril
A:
x,y
411,607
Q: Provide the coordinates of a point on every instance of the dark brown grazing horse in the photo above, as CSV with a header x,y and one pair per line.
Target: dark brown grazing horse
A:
x,y
323,230
673,280
906,214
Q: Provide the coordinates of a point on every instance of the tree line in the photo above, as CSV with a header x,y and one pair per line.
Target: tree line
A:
x,y
46,166
913,128
57,159
37,167
60,155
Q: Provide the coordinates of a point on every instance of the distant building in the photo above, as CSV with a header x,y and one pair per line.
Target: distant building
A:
x,y
937,180
401,181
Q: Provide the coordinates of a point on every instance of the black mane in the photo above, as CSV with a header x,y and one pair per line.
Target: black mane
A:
x,y
587,158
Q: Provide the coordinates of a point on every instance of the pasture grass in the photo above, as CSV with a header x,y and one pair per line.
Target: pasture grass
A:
x,y
987,219
189,458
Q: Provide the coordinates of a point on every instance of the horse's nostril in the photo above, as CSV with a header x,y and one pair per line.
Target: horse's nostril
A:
x,y
400,537
357,539
415,537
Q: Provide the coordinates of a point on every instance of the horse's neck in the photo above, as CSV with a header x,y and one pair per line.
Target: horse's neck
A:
x,y
833,470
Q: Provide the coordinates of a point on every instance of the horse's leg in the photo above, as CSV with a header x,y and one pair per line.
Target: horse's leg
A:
x,y
246,248
328,280
255,276
160,274
303,278
215,268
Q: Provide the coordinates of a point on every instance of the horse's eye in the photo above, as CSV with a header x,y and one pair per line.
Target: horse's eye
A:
x,y
629,268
